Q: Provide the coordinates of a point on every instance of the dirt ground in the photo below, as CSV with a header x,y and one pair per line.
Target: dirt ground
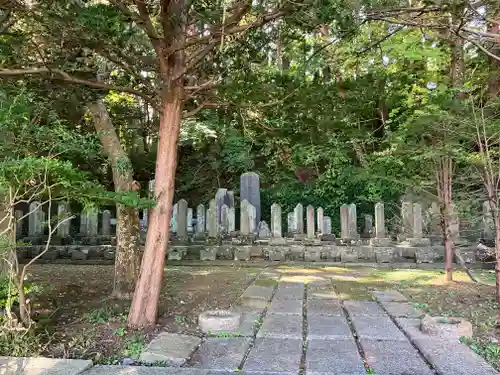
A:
x,y
79,320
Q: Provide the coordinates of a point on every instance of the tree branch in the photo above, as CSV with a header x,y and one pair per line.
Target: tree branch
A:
x,y
59,74
483,49
217,34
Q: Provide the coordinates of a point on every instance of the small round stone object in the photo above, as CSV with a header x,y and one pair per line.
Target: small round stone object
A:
x,y
446,327
214,321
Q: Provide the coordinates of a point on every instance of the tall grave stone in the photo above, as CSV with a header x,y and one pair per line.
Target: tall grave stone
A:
x,y
200,220
299,219
106,223
35,219
368,229
252,221
245,218
310,222
327,225
353,222
62,216
344,221
276,220
291,223
250,190
407,219
221,198
488,224
173,220
319,220
380,235
182,207
224,224
232,219
190,220
212,226
92,223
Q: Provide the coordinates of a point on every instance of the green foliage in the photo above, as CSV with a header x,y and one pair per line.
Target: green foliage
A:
x,y
134,346
9,295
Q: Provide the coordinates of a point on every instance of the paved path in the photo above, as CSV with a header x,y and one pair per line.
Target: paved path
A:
x,y
290,328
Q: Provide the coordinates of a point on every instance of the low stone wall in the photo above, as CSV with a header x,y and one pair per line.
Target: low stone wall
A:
x,y
75,253
288,251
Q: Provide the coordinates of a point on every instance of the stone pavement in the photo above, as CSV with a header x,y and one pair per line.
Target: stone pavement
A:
x,y
290,328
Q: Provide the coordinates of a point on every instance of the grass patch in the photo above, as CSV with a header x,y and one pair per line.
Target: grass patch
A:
x,y
266,282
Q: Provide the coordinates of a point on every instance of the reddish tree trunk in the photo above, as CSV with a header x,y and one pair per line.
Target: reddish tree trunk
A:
x,y
144,307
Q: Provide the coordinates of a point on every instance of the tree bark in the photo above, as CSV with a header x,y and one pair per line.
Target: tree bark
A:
x,y
443,178
144,309
497,254
127,226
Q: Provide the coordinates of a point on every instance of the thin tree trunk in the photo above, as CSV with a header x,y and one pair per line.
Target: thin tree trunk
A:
x,y
443,178
127,229
497,254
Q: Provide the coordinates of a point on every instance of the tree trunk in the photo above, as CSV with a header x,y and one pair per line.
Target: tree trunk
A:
x,y
497,254
145,303
144,307
8,258
443,178
127,226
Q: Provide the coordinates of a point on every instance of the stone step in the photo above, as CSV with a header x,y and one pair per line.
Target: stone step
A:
x,y
42,366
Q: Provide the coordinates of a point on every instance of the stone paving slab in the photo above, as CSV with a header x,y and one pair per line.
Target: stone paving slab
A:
x,y
389,296
274,355
288,306
251,304
364,308
394,358
323,293
334,357
171,348
42,366
411,327
402,310
376,328
259,292
221,353
251,373
250,321
328,327
143,370
281,326
284,293
324,307
319,283
450,358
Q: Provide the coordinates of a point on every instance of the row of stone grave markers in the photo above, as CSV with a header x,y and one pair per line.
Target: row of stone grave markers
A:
x,y
219,219
89,221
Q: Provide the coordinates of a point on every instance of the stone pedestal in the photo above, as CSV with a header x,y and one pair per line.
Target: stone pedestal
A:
x,y
208,253
174,254
277,254
383,242
425,255
385,254
312,254
242,253
348,255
